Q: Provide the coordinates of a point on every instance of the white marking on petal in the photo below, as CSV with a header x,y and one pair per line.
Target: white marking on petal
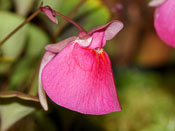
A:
x,y
156,3
84,42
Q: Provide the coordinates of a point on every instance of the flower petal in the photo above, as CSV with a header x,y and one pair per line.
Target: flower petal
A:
x,y
41,93
110,29
80,79
156,3
51,14
164,22
98,40
57,47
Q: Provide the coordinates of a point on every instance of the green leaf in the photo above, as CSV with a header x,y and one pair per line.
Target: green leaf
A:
x,y
93,14
5,4
37,39
12,110
13,46
55,4
5,64
21,73
67,6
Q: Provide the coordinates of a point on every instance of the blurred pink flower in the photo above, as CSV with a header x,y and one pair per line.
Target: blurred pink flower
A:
x,y
118,8
164,21
76,72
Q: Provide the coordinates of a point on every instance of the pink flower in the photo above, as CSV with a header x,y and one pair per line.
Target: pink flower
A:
x,y
164,20
76,72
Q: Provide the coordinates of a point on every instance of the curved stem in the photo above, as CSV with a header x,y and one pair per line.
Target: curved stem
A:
x,y
34,15
72,21
64,23
21,25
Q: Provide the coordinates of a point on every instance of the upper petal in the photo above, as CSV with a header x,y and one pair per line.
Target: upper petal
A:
x,y
57,47
110,29
81,79
97,37
98,40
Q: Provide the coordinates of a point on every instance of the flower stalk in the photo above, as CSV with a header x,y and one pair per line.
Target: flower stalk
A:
x,y
34,15
20,26
64,23
71,21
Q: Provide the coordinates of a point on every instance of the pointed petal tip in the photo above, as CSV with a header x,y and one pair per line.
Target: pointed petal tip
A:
x,y
45,107
111,29
42,98
44,104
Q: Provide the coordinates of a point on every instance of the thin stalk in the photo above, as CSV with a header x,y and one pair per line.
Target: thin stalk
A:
x,y
64,22
71,21
21,25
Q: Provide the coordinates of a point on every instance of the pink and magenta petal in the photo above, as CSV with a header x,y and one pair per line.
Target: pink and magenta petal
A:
x,y
81,79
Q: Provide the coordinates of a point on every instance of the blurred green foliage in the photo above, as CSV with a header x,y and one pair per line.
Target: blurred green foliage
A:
x,y
12,111
8,22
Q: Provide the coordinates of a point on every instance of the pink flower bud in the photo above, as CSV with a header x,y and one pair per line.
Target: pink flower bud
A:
x,y
50,13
